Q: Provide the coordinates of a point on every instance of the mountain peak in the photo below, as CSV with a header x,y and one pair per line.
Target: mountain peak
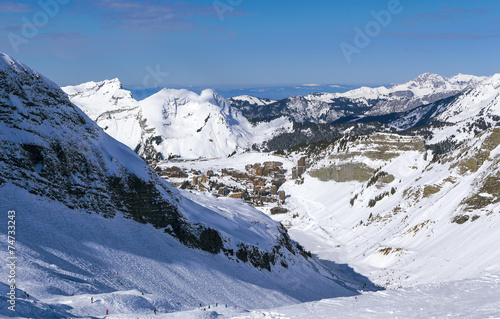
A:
x,y
430,77
6,63
106,85
169,122
114,81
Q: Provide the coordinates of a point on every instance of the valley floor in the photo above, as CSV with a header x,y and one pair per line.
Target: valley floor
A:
x,y
472,298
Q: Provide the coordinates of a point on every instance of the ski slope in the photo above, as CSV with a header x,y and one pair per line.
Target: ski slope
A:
x,y
472,298
66,257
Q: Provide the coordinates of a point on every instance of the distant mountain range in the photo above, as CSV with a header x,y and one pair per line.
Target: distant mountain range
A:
x,y
329,107
270,92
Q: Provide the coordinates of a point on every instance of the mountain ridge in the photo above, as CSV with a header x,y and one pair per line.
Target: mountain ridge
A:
x,y
171,122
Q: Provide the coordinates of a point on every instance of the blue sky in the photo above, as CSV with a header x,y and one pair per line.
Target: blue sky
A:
x,y
245,43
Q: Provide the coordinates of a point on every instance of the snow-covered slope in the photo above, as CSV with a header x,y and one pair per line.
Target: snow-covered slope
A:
x,y
93,219
107,104
65,257
396,212
473,299
465,114
171,122
250,100
481,101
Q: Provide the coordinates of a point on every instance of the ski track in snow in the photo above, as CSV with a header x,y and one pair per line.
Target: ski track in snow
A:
x,y
472,299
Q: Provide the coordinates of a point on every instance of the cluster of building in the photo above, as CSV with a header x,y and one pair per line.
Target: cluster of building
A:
x,y
258,184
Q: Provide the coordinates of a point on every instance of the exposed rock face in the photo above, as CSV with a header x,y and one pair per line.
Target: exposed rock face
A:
x,y
278,210
343,173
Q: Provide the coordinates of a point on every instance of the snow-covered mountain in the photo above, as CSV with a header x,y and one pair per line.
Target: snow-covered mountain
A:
x,y
329,107
171,122
94,220
480,101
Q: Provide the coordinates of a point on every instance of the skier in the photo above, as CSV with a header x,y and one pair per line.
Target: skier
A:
x,y
226,305
216,304
107,311
155,310
91,299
